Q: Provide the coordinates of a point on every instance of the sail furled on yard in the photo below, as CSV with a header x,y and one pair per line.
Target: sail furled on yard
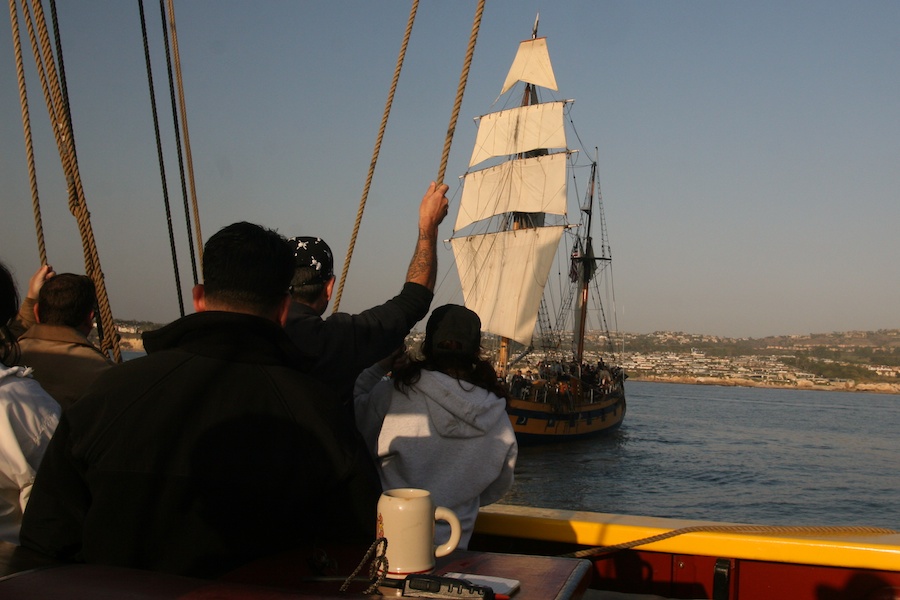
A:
x,y
519,130
503,275
536,184
531,65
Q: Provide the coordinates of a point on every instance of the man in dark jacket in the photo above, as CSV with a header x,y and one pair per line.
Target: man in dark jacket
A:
x,y
56,346
214,449
342,345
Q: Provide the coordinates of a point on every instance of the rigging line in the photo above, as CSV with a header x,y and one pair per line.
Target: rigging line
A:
x,y
159,152
52,82
376,151
461,88
67,114
184,195
187,136
26,127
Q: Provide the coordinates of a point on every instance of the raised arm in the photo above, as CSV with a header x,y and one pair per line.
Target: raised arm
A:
x,y
423,266
26,317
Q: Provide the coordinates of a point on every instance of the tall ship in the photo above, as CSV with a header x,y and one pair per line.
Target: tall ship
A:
x,y
519,217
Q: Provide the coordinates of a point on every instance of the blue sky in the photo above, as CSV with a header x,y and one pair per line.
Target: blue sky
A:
x,y
748,151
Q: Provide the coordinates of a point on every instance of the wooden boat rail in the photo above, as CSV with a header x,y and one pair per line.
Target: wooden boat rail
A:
x,y
704,559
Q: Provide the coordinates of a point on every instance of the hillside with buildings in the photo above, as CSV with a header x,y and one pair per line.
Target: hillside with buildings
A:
x,y
856,360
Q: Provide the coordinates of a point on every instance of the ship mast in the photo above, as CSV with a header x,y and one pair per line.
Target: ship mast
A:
x,y
521,220
585,273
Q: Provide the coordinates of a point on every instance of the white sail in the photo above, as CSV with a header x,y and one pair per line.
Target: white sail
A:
x,y
531,65
536,184
519,130
503,275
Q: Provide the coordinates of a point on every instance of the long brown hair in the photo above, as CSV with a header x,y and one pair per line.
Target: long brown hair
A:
x,y
443,351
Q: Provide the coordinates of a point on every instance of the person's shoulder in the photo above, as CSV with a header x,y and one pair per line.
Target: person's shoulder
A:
x,y
139,370
17,387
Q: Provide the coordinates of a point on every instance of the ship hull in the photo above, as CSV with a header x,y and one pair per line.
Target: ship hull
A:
x,y
545,419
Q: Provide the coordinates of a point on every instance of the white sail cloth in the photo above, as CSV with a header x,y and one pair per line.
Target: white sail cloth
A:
x,y
519,130
531,65
503,276
536,184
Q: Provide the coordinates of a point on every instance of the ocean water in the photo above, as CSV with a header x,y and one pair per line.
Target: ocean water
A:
x,y
741,455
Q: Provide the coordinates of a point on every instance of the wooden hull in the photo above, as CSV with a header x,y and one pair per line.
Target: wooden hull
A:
x,y
553,417
776,563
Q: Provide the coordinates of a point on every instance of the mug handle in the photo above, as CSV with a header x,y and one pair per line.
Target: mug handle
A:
x,y
442,513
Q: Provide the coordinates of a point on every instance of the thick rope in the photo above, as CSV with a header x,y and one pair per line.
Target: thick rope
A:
x,y
162,165
67,116
64,133
187,136
376,151
184,195
26,127
744,529
461,88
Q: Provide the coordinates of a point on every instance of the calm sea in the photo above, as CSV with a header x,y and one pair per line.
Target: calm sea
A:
x,y
744,455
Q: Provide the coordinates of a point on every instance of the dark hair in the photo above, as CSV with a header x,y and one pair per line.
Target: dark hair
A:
x,y
460,358
66,299
302,289
247,266
9,307
475,370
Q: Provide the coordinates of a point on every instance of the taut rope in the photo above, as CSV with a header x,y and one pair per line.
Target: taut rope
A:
x,y
187,136
26,126
748,529
470,52
162,167
461,88
53,87
376,151
184,195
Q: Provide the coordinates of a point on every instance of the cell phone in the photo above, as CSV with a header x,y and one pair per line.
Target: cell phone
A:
x,y
434,586
500,585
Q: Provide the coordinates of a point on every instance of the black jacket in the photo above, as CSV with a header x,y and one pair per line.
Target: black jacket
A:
x,y
209,452
342,345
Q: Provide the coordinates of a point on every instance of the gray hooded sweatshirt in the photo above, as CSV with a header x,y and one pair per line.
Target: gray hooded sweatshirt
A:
x,y
447,436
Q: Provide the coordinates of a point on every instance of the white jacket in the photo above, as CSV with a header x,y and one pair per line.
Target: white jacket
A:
x,y
28,418
447,436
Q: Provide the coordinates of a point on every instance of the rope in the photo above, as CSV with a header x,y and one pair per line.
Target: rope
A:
x,y
57,108
376,151
187,213
26,127
745,529
463,77
187,136
162,166
378,570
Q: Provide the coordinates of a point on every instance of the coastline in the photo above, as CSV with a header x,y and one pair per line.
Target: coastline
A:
x,y
799,384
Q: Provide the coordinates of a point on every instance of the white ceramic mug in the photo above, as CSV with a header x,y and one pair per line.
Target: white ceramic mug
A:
x,y
406,518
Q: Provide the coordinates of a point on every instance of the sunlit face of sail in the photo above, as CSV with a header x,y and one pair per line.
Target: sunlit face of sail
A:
x,y
531,65
503,276
531,185
503,273
519,130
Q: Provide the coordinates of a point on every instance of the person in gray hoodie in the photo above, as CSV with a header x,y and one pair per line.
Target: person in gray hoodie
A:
x,y
439,423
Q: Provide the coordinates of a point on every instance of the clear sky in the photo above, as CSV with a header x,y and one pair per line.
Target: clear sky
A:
x,y
748,151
